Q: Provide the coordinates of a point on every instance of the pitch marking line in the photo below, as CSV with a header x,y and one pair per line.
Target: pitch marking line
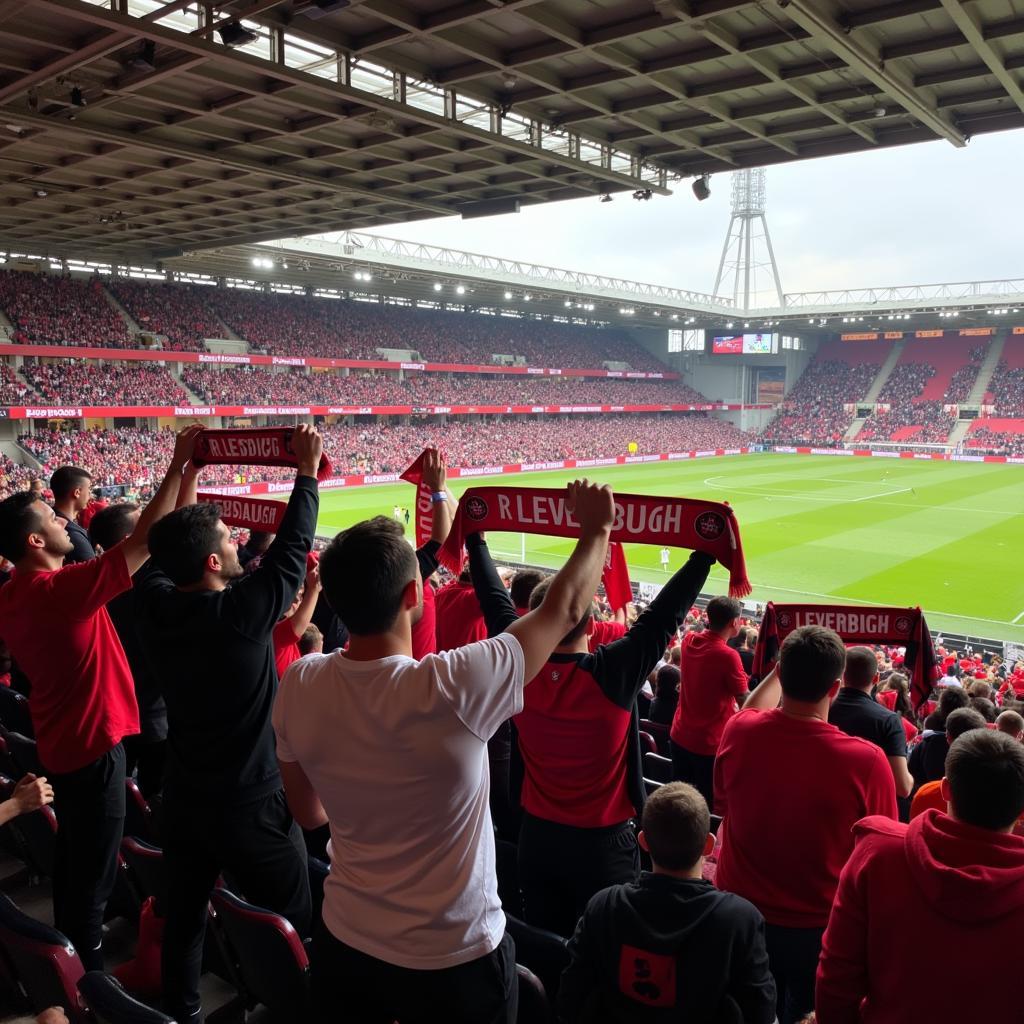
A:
x,y
1014,621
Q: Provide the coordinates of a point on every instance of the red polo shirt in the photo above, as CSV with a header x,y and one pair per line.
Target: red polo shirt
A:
x,y
605,633
712,678
58,630
790,790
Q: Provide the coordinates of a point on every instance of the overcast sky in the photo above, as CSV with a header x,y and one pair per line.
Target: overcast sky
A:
x,y
910,215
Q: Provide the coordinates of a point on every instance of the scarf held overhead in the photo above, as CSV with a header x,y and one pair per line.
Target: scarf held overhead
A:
x,y
707,526
424,506
262,514
617,586
251,446
855,624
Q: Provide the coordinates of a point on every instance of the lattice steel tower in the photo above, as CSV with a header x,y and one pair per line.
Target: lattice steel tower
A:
x,y
747,256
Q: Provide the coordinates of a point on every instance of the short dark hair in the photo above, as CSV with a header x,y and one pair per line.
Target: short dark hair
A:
x,y
810,662
523,584
963,720
364,570
722,610
1010,721
112,524
311,639
537,596
181,542
951,699
984,707
861,667
676,824
985,772
667,680
65,479
18,519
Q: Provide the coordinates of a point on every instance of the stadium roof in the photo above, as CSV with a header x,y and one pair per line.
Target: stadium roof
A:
x,y
342,114
368,265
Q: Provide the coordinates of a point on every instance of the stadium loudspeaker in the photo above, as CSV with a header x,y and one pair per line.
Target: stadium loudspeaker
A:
x,y
236,34
488,208
701,187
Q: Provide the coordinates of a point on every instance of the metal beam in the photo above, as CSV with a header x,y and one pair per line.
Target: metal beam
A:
x,y
821,20
968,21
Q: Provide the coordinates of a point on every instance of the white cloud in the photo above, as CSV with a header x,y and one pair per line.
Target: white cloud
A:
x,y
908,215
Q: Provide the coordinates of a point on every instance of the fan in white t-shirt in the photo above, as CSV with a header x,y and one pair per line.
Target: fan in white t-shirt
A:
x,y
392,753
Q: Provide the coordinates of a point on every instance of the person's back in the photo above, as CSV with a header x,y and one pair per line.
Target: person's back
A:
x,y
457,614
392,754
671,946
790,787
947,881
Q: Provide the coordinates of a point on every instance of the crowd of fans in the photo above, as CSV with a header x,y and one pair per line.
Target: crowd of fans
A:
x,y
870,811
179,313
13,391
813,412
50,310
960,384
1007,389
996,441
72,382
250,386
132,457
934,421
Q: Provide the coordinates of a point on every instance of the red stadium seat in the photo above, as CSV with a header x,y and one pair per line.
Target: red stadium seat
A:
x,y
43,962
542,952
14,714
659,732
138,820
534,1006
24,754
266,955
145,868
657,767
648,744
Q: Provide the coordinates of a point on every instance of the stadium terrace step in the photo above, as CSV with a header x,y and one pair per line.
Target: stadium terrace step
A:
x,y
111,298
986,371
884,373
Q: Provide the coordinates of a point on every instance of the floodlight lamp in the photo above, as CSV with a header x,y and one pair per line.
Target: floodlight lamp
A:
x,y
606,198
235,34
437,286
702,187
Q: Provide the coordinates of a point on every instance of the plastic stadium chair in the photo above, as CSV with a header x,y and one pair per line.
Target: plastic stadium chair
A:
x,y
534,1007
42,960
138,816
23,752
650,785
659,732
7,765
145,868
267,955
14,712
35,836
657,767
542,952
648,745
110,1004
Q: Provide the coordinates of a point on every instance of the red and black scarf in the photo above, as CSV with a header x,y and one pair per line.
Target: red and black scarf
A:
x,y
855,624
707,526
261,514
424,506
251,446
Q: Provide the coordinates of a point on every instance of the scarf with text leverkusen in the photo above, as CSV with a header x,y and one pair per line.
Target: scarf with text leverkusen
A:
x,y
251,446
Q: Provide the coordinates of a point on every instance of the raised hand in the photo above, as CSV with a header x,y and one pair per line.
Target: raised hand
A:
x,y
594,506
308,446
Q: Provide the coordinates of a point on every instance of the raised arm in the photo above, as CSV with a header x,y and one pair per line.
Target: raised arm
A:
x,y
188,492
624,664
441,509
262,597
495,603
574,585
304,613
135,547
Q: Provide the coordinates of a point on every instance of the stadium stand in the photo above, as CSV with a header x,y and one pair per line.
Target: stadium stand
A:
x,y
50,310
72,382
179,312
12,390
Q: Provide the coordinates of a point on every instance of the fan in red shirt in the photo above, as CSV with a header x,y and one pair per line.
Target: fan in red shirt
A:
x,y
790,787
459,619
712,678
289,631
55,623
946,881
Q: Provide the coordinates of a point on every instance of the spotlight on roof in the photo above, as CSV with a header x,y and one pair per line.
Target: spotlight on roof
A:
x,y
41,193
235,34
460,289
509,81
879,111
508,295
702,187
145,58
606,198
437,286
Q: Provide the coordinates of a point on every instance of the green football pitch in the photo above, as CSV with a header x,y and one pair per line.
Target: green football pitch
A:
x,y
945,535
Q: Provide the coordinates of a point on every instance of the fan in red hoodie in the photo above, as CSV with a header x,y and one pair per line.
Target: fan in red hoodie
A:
x,y
944,882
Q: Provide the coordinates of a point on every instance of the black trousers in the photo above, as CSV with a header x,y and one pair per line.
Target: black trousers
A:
x,y
793,960
696,769
149,757
359,989
89,804
561,867
259,845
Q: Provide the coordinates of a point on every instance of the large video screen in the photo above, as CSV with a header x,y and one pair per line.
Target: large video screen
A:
x,y
745,344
